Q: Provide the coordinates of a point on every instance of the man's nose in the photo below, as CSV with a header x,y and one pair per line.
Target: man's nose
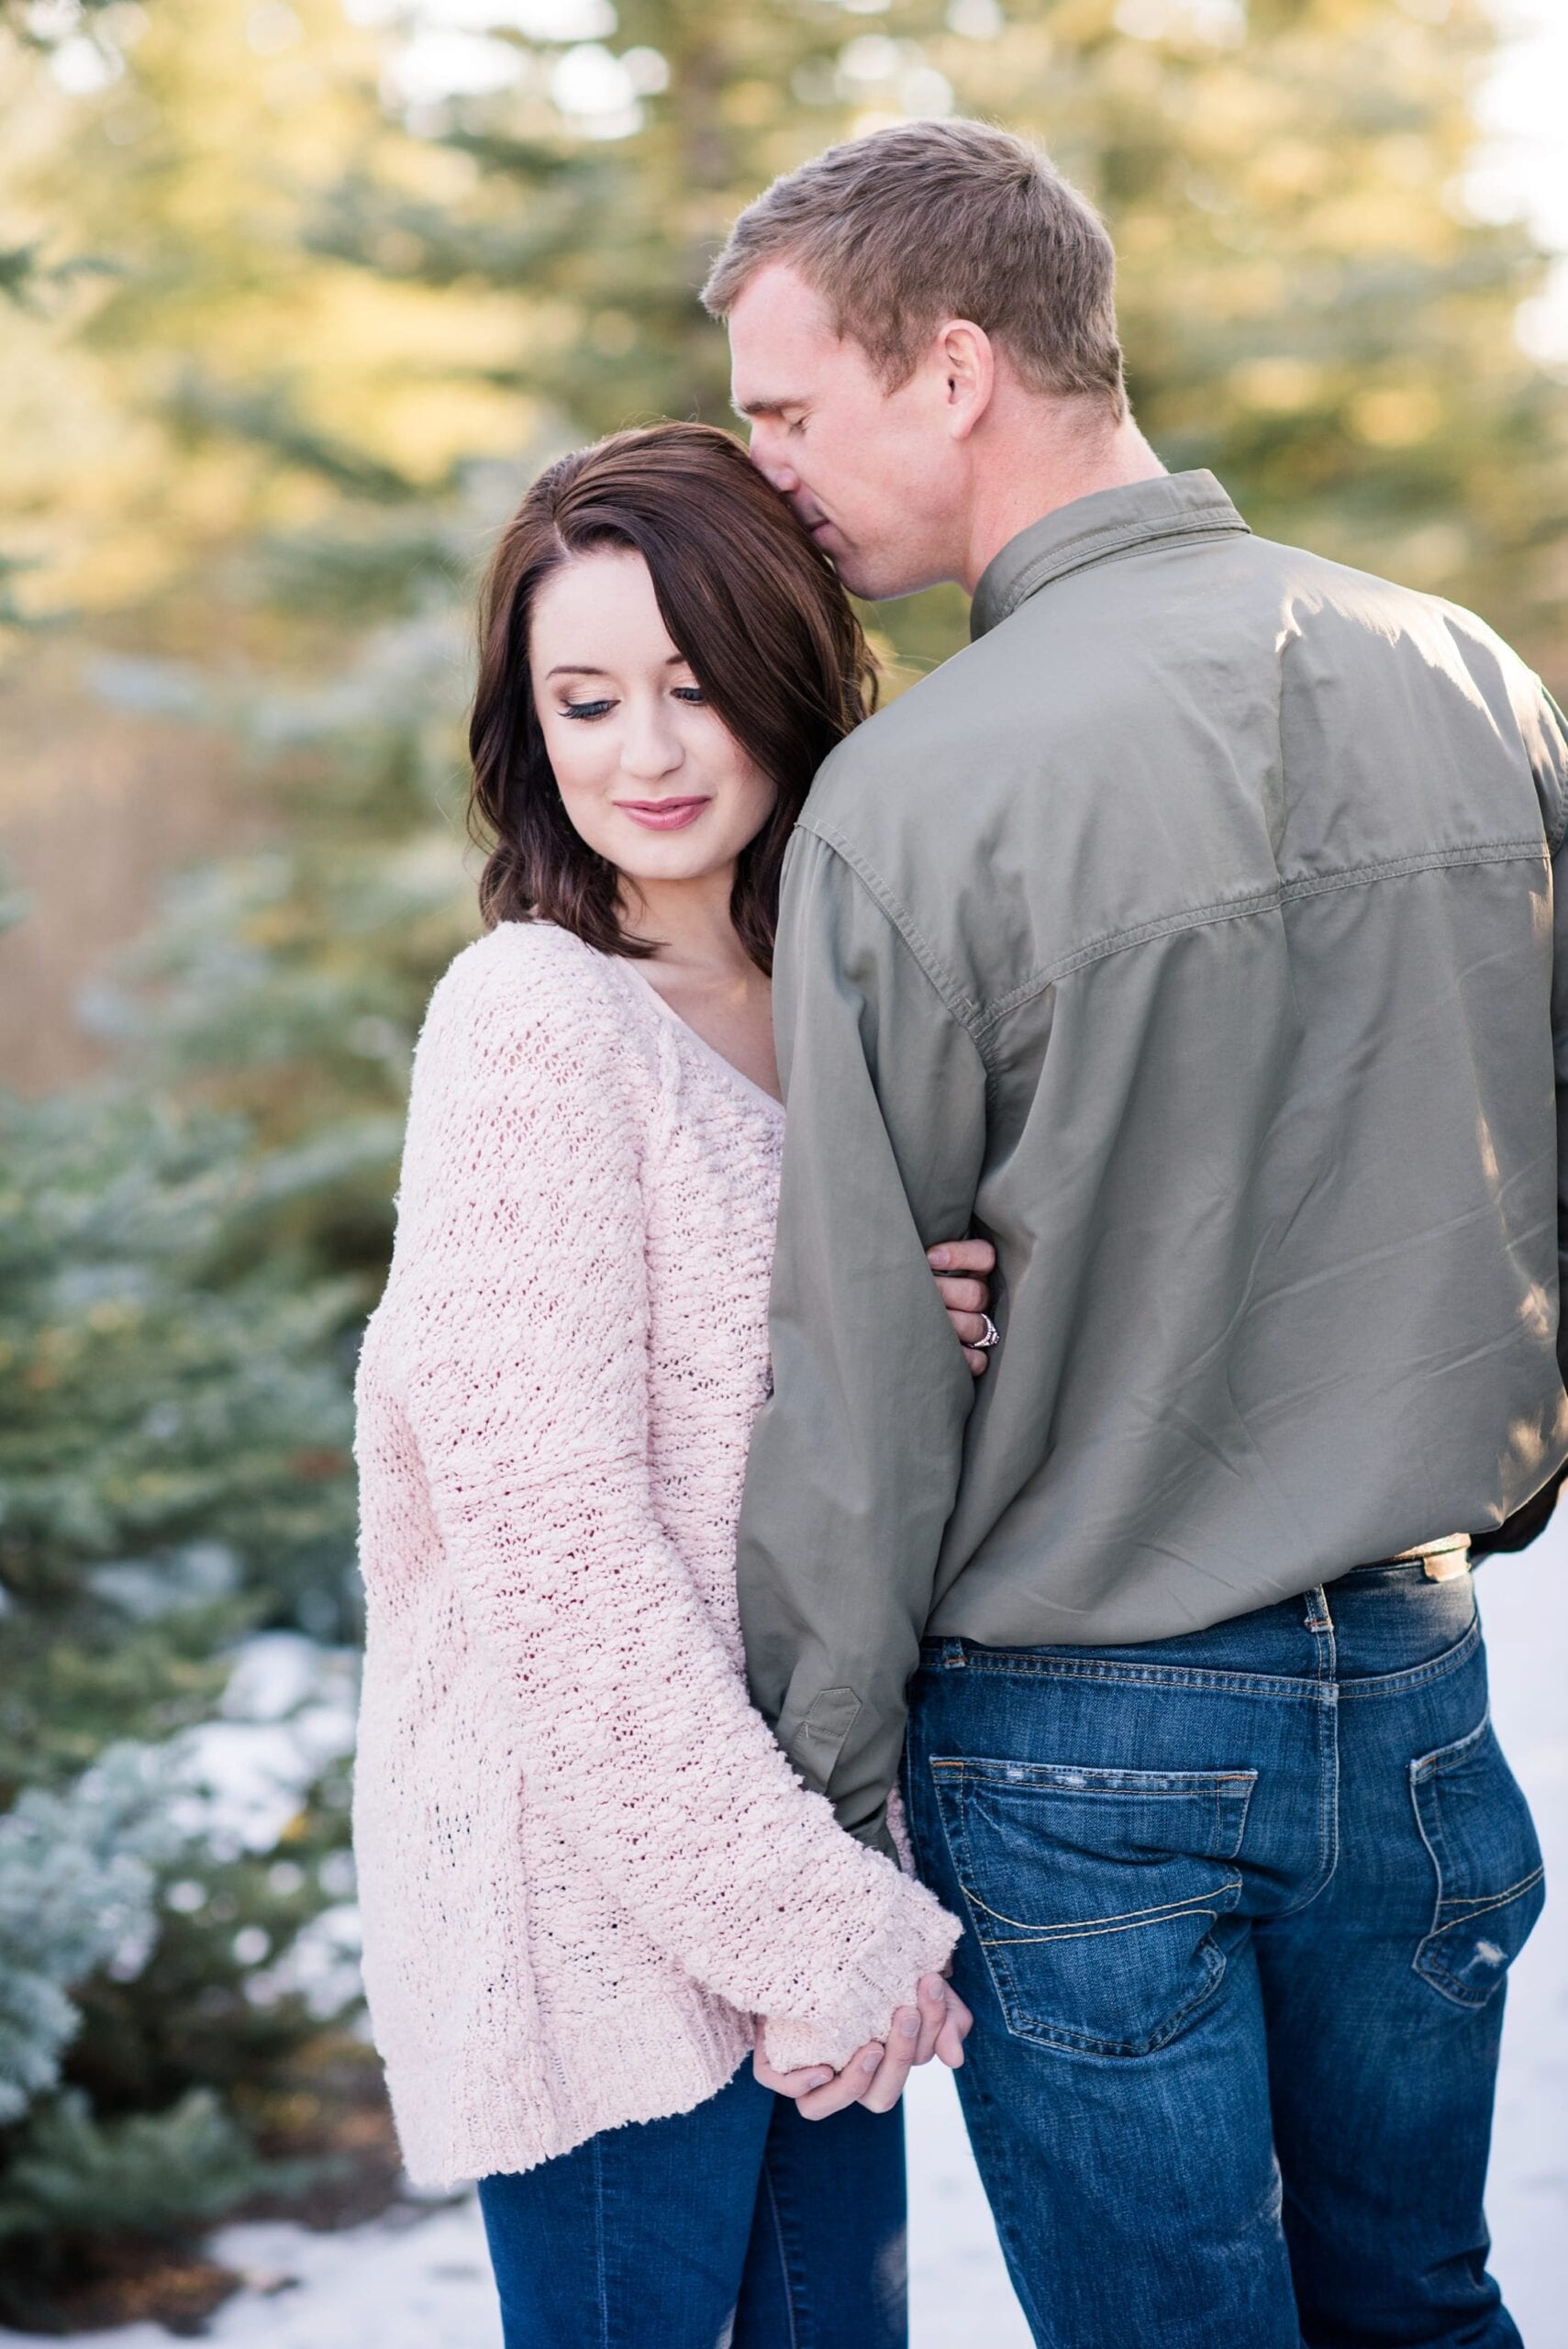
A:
x,y
771,463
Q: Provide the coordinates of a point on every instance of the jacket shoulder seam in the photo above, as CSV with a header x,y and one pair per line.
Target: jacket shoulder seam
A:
x,y
1269,901
961,1008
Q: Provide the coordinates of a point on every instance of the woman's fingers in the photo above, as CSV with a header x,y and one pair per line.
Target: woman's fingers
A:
x,y
964,1296
961,1266
848,2087
874,2076
962,1256
793,2084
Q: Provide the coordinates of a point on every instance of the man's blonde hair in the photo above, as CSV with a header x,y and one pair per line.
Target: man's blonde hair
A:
x,y
931,220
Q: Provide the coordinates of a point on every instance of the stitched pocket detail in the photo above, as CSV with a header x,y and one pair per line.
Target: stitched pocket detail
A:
x,y
1490,1885
1093,1894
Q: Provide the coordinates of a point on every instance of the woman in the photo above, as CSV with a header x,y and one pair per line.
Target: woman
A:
x,y
589,1876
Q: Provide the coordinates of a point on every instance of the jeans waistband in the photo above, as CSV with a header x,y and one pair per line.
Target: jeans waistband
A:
x,y
1439,1561
1389,1616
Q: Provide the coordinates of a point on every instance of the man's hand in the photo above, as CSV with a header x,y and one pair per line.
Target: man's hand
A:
x,y
961,1266
875,2075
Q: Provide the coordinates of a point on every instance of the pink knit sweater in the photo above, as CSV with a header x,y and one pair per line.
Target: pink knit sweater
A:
x,y
584,1863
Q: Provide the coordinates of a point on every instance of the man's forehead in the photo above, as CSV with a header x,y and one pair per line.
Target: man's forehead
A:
x,y
780,336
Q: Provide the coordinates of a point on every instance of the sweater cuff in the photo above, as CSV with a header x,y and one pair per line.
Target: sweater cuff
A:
x,y
918,1940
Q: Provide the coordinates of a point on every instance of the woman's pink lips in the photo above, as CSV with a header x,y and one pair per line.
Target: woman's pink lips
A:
x,y
663,815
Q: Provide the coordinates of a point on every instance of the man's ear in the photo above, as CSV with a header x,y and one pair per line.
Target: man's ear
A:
x,y
967,358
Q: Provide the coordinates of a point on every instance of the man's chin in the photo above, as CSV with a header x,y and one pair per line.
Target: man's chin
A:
x,y
877,580
872,582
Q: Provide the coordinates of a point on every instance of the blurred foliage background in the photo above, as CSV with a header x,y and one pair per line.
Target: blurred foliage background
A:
x,y
294,295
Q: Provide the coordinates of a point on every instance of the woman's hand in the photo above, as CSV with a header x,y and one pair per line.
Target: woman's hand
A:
x,y
959,1267
875,2075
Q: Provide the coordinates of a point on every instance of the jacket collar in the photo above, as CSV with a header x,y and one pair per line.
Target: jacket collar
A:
x,y
1092,529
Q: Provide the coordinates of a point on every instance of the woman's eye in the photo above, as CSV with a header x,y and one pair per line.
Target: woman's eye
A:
x,y
585,708
690,693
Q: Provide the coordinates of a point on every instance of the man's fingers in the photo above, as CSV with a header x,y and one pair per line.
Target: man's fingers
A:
x,y
955,2030
848,2088
933,1996
962,1256
963,1297
903,2044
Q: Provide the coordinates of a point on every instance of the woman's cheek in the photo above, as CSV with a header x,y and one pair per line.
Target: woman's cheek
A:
x,y
585,796
590,814
581,768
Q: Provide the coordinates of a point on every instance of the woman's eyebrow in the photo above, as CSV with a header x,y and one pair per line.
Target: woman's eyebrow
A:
x,y
585,669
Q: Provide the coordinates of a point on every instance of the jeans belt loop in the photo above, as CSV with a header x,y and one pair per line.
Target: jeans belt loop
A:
x,y
1317,1616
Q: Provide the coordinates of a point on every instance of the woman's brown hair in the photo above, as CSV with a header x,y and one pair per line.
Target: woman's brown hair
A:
x,y
749,601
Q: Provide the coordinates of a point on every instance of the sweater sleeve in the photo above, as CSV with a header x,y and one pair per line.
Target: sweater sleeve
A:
x,y
522,1264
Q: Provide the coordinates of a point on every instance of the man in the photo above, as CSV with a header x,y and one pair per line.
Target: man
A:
x,y
1190,935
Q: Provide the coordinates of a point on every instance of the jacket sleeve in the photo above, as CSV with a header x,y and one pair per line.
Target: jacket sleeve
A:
x,y
524,1303
1546,739
1551,760
855,1460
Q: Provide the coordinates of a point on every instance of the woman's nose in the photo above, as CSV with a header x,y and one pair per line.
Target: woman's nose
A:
x,y
651,747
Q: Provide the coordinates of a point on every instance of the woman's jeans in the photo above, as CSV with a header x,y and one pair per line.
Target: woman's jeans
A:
x,y
1239,1909
737,2226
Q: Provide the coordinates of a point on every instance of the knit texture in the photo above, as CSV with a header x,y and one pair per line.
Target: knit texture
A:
x,y
584,1863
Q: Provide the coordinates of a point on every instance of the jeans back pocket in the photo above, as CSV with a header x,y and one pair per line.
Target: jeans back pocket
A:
x,y
1476,1825
1093,1893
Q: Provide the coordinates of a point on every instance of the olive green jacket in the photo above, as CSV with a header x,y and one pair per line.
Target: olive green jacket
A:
x,y
1192,935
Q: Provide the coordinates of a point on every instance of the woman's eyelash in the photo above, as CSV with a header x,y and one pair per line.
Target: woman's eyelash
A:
x,y
592,709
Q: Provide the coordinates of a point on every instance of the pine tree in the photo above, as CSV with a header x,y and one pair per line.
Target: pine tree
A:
x,y
78,1887
1305,308
173,1459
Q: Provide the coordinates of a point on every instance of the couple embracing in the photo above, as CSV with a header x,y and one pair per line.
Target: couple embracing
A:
x,y
978,1569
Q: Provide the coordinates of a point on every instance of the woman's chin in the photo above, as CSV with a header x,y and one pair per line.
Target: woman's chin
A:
x,y
675,858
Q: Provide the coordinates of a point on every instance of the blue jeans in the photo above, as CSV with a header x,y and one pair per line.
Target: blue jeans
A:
x,y
736,2226
1240,1908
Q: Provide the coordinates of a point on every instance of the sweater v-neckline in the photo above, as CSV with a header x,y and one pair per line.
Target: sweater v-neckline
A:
x,y
736,1075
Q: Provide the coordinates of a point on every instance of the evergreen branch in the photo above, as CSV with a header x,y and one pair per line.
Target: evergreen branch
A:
x,y
24,279
424,245
265,416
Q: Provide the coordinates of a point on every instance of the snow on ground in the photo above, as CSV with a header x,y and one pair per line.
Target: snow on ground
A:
x,y
418,2279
